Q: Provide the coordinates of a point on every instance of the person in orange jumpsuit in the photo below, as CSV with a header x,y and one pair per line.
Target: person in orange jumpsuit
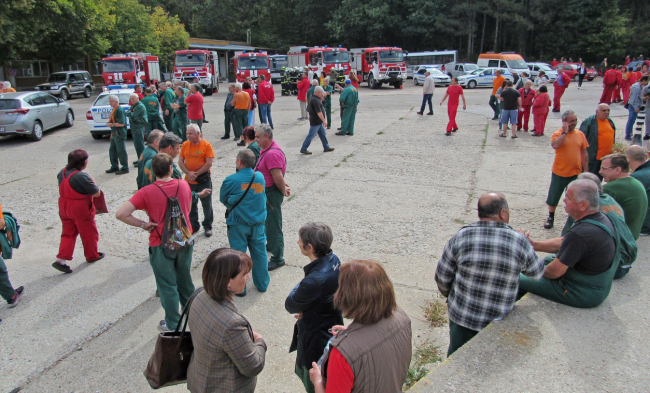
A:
x,y
453,92
609,85
527,94
629,78
540,110
616,97
77,211
560,84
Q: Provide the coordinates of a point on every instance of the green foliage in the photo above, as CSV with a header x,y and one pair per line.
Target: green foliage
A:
x,y
169,33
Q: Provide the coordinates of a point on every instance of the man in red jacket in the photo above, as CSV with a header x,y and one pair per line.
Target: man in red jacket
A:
x,y
303,86
609,85
554,63
265,97
616,97
560,84
527,95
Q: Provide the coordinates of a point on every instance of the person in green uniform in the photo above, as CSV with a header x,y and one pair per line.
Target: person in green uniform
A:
x,y
179,118
327,101
310,91
228,109
640,167
153,142
349,100
152,105
168,97
138,120
169,144
117,150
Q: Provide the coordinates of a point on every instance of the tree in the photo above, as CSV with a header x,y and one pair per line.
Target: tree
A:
x,y
169,33
133,30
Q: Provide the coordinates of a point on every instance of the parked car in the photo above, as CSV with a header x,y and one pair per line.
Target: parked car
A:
x,y
535,68
636,64
68,83
483,77
31,113
438,76
98,114
462,69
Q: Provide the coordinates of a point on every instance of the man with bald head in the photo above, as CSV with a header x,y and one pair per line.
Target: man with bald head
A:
x,y
479,270
581,272
600,132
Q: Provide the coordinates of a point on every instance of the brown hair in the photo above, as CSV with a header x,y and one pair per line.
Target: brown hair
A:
x,y
249,133
618,160
222,265
365,292
160,164
77,159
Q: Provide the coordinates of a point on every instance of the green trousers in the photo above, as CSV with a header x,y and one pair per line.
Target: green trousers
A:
x,y
137,132
494,104
458,336
253,239
117,152
179,127
347,123
169,123
328,113
154,123
227,121
303,374
206,203
6,290
239,121
274,235
173,280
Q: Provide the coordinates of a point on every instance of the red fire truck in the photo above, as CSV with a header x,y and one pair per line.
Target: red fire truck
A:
x,y
198,63
379,65
130,68
319,59
252,64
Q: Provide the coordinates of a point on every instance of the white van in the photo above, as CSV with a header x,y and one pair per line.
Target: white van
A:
x,y
512,61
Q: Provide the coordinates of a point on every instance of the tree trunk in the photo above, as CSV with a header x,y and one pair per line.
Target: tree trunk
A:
x,y
496,33
483,33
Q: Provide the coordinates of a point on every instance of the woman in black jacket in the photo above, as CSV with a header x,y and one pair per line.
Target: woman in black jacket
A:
x,y
312,300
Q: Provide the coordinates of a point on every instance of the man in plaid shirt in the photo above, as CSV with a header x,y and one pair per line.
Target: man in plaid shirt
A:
x,y
479,270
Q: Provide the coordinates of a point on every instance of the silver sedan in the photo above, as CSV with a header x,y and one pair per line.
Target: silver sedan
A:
x,y
439,78
32,113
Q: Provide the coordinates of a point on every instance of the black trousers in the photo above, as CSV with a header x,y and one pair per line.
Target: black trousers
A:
x,y
581,77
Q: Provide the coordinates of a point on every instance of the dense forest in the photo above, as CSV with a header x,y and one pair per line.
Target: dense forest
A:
x,y
539,29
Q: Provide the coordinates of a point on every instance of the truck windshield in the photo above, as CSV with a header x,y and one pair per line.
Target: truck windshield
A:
x,y
277,64
336,57
517,64
391,55
122,65
253,63
189,59
57,78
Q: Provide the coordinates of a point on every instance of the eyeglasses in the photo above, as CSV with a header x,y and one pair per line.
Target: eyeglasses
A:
x,y
608,167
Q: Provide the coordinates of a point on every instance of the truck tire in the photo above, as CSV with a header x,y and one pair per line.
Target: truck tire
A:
x,y
208,91
398,85
371,82
96,136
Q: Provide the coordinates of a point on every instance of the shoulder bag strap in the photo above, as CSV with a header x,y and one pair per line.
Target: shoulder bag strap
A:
x,y
596,223
186,312
156,227
243,196
264,155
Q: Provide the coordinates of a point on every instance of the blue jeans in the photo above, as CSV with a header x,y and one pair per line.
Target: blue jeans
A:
x,y
425,99
266,112
631,120
313,130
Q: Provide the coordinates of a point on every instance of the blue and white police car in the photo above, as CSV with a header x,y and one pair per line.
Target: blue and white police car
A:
x,y
98,114
483,77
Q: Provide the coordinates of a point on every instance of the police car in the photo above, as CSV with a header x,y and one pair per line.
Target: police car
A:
x,y
98,114
483,77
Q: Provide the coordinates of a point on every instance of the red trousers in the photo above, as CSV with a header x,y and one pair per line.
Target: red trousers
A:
x,y
451,112
557,95
78,219
606,97
626,94
617,95
539,120
525,114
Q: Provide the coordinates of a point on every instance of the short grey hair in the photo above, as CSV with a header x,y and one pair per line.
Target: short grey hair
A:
x,y
319,236
153,135
168,84
6,84
133,95
113,97
247,158
181,89
566,114
233,85
319,89
264,129
314,82
169,139
592,177
586,191
238,86
196,86
195,127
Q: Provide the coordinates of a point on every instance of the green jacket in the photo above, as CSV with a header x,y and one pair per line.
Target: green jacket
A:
x,y
137,115
310,92
642,174
9,237
149,178
350,97
152,105
225,104
182,111
589,127
145,158
120,117
328,98
168,98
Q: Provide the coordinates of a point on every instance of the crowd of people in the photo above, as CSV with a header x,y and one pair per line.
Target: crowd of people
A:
x,y
484,268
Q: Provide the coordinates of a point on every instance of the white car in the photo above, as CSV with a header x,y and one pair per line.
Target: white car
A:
x,y
483,77
98,114
440,78
535,68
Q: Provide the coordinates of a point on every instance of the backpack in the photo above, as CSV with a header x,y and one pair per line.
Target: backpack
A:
x,y
9,237
176,234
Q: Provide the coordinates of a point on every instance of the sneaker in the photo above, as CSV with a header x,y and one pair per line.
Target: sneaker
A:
x,y
14,300
135,163
454,129
205,122
306,152
338,129
122,172
329,149
208,232
549,222
275,265
112,170
242,143
328,127
101,255
236,139
225,137
300,118
339,133
495,118
448,133
62,268
162,326
556,110
420,113
430,114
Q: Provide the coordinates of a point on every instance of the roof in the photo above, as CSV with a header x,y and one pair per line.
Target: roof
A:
x,y
509,56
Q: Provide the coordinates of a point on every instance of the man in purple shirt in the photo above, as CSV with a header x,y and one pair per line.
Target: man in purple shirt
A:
x,y
273,165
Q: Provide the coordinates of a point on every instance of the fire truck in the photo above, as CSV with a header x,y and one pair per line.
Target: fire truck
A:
x,y
379,65
131,68
319,59
252,64
198,63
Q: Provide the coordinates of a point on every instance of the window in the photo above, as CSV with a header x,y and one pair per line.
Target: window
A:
x,y
97,67
48,99
76,66
503,64
460,68
367,57
34,100
10,104
30,68
373,57
493,63
487,72
72,78
318,57
86,76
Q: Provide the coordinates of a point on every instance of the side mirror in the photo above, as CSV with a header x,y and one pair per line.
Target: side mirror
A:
x,y
61,100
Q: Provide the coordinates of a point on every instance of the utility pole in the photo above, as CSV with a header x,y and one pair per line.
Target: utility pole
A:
x,y
248,36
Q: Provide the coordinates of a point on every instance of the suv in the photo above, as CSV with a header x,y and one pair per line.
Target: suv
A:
x,y
64,84
462,69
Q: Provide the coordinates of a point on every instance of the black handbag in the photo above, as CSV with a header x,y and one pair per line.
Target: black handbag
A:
x,y
240,199
203,177
171,356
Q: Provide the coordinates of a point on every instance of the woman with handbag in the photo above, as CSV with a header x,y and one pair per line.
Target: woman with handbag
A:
x,y
77,211
228,355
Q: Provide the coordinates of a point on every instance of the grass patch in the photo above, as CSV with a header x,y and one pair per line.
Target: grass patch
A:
x,y
487,126
337,165
436,313
413,375
426,353
380,133
620,147
290,198
324,174
25,223
218,158
412,107
49,228
367,143
401,118
459,221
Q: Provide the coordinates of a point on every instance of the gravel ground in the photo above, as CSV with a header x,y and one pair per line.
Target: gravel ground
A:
x,y
395,192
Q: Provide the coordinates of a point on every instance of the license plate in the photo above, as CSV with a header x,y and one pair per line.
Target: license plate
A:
x,y
106,115
2,129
